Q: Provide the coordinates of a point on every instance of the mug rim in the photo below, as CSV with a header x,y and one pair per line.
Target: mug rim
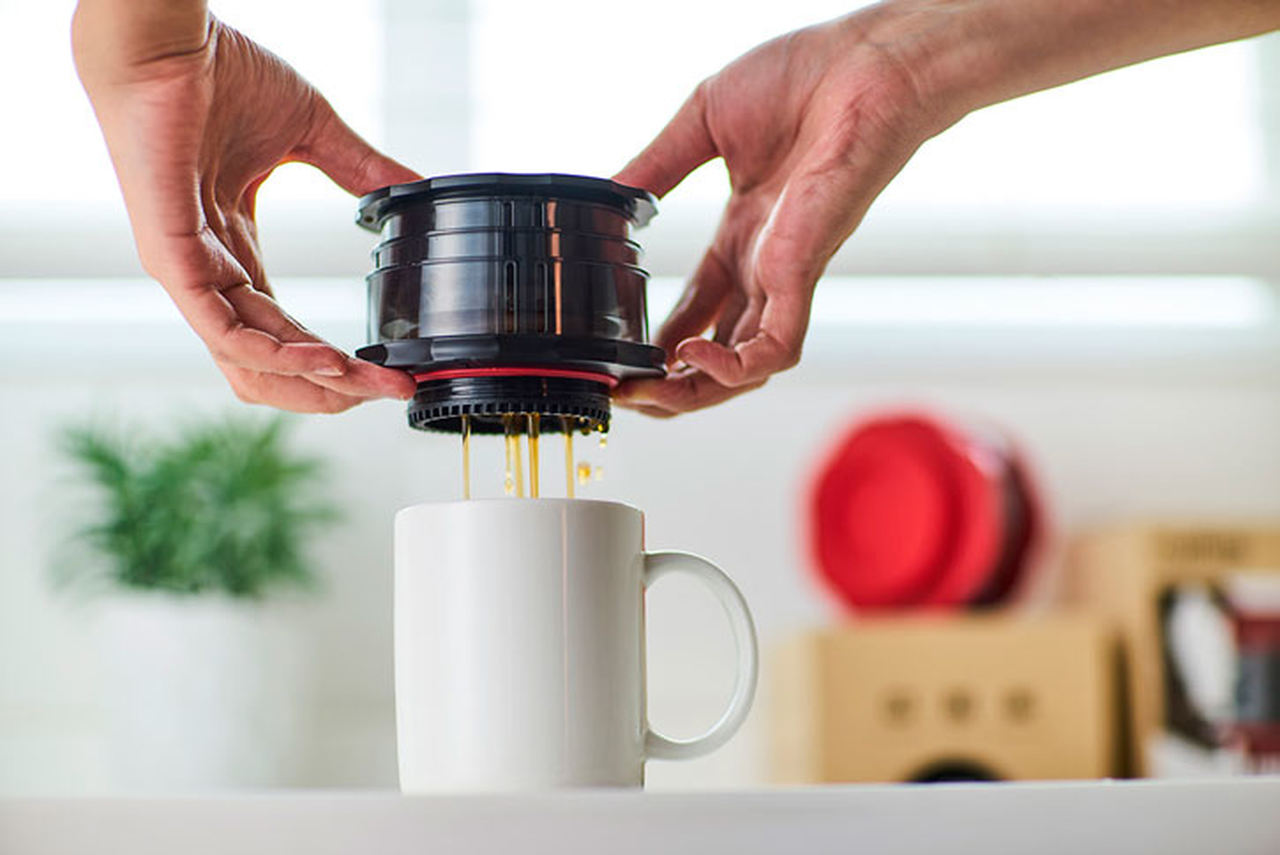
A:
x,y
541,501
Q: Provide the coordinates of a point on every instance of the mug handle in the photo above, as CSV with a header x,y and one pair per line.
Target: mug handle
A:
x,y
659,564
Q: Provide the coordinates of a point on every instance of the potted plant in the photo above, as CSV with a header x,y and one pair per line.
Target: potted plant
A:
x,y
185,543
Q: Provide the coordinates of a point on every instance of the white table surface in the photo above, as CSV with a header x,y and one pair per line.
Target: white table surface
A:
x,y
1204,818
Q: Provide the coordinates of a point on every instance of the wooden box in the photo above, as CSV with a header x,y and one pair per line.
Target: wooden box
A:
x,y
945,698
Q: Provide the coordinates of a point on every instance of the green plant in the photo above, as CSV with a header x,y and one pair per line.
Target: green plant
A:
x,y
223,507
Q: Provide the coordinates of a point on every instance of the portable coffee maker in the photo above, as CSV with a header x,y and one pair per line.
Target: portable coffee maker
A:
x,y
509,296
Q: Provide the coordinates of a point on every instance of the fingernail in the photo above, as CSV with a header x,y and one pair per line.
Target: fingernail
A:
x,y
329,372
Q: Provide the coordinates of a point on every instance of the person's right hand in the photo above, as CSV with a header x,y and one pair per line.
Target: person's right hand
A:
x,y
811,126
814,124
196,116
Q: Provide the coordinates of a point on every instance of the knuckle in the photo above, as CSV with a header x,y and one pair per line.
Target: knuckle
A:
x,y
244,393
790,357
222,344
701,94
220,352
365,168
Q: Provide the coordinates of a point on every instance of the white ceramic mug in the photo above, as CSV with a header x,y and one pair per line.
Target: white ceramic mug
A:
x,y
519,636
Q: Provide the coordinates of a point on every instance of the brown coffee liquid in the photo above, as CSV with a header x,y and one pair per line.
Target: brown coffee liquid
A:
x,y
509,439
519,429
567,426
466,457
518,452
535,479
513,481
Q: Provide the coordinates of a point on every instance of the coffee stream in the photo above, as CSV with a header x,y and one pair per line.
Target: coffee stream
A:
x,y
568,456
466,457
517,425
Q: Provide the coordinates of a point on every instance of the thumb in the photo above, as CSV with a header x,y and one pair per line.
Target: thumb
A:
x,y
339,152
681,147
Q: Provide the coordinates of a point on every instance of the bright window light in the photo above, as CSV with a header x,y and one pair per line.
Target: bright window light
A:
x,y
597,80
1184,302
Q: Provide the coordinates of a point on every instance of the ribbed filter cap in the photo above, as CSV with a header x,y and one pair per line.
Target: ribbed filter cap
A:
x,y
440,404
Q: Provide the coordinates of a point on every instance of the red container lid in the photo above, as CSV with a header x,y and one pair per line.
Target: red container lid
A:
x,y
908,513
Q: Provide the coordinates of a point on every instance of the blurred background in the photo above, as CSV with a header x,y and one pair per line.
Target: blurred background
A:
x,y
1093,269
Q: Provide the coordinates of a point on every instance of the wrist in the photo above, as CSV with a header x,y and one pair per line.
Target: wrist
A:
x,y
949,50
966,54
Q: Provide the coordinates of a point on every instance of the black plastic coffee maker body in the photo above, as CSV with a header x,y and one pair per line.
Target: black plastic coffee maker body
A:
x,y
509,295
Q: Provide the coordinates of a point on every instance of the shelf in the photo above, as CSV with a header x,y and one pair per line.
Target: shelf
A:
x,y
1237,816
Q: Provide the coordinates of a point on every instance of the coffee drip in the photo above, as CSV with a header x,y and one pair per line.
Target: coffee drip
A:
x,y
522,434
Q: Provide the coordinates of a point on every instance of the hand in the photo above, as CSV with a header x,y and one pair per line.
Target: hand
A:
x,y
814,124
194,127
811,127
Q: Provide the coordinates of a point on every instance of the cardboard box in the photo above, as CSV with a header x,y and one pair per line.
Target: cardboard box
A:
x,y
937,698
1120,574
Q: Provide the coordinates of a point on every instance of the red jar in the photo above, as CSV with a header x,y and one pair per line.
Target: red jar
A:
x,y
909,511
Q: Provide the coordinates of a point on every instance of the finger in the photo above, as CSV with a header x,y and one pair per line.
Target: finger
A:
x,y
215,318
651,412
211,289
679,393
288,393
376,380
240,237
774,347
681,147
700,303
339,152
748,323
201,277
643,409
744,364
631,394
269,331
354,377
728,320
808,223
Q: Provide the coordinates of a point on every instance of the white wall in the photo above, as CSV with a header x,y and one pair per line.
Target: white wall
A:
x,y
1122,421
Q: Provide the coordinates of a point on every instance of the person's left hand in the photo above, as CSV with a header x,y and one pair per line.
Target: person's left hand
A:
x,y
195,123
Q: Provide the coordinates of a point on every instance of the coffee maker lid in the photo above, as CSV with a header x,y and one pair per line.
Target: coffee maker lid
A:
x,y
639,204
909,513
